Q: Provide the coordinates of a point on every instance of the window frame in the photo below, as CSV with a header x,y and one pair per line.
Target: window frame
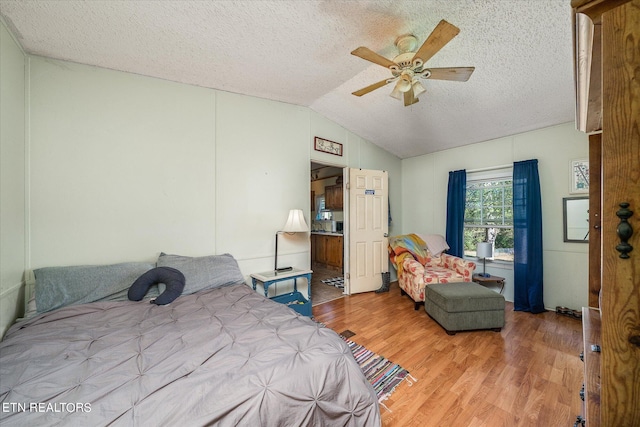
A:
x,y
493,174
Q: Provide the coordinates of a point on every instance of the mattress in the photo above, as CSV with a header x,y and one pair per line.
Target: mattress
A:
x,y
225,356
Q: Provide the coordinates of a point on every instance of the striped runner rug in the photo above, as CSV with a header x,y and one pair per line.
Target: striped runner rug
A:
x,y
383,374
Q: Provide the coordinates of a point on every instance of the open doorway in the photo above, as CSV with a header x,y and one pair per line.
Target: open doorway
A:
x,y
327,223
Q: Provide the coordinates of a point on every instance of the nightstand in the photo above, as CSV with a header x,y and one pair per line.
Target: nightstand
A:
x,y
490,279
295,299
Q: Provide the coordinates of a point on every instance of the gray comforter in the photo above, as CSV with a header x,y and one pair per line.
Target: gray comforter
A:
x,y
225,357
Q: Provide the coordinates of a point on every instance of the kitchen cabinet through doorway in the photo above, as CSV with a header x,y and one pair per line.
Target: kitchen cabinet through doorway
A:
x,y
327,249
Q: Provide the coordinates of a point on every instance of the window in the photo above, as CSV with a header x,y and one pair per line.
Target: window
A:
x,y
488,215
321,210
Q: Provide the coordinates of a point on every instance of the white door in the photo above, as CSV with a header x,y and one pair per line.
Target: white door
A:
x,y
368,228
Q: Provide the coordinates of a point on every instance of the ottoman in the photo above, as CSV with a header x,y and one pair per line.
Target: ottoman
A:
x,y
464,306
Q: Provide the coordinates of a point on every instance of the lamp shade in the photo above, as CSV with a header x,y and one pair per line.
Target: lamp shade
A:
x,y
396,93
418,88
484,250
404,84
295,223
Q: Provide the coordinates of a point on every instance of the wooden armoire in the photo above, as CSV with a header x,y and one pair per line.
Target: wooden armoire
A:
x,y
607,63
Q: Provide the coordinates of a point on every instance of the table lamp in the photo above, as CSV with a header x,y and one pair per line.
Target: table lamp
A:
x,y
484,251
295,224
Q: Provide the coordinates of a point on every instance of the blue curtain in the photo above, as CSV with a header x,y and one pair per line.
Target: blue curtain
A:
x,y
456,201
527,237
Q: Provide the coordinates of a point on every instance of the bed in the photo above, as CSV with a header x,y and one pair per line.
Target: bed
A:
x,y
218,355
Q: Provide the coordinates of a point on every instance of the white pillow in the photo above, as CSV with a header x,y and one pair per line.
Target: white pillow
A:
x,y
435,243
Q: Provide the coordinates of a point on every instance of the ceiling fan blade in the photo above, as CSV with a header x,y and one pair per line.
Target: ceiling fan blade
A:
x,y
369,55
441,35
458,74
409,99
371,88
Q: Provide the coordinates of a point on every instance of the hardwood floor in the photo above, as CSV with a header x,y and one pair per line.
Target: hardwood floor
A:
x,y
529,374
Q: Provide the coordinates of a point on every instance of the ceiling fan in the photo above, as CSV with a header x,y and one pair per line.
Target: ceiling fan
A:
x,y
408,67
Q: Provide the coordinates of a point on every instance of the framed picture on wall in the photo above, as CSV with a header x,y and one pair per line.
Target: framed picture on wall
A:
x,y
579,176
327,146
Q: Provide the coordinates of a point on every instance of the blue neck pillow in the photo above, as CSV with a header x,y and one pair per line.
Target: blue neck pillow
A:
x,y
172,278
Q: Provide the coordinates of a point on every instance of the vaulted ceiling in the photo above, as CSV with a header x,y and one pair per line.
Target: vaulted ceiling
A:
x,y
298,52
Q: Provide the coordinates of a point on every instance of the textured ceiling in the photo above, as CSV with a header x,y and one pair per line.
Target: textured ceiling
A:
x,y
299,52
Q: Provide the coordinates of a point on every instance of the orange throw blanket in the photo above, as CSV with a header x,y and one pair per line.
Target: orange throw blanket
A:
x,y
407,245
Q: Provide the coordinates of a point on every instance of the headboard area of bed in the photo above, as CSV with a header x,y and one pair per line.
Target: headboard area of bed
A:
x,y
50,288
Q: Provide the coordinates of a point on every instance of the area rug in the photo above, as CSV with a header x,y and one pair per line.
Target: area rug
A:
x,y
383,374
338,282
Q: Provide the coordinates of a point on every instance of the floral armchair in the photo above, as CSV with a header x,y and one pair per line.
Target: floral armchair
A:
x,y
417,267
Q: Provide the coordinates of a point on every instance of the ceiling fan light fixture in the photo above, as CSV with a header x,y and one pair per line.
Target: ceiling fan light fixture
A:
x,y
409,65
396,93
403,85
418,88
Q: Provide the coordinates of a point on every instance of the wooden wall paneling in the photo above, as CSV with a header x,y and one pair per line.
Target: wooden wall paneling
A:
x,y
587,47
591,334
619,337
595,8
595,217
620,387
